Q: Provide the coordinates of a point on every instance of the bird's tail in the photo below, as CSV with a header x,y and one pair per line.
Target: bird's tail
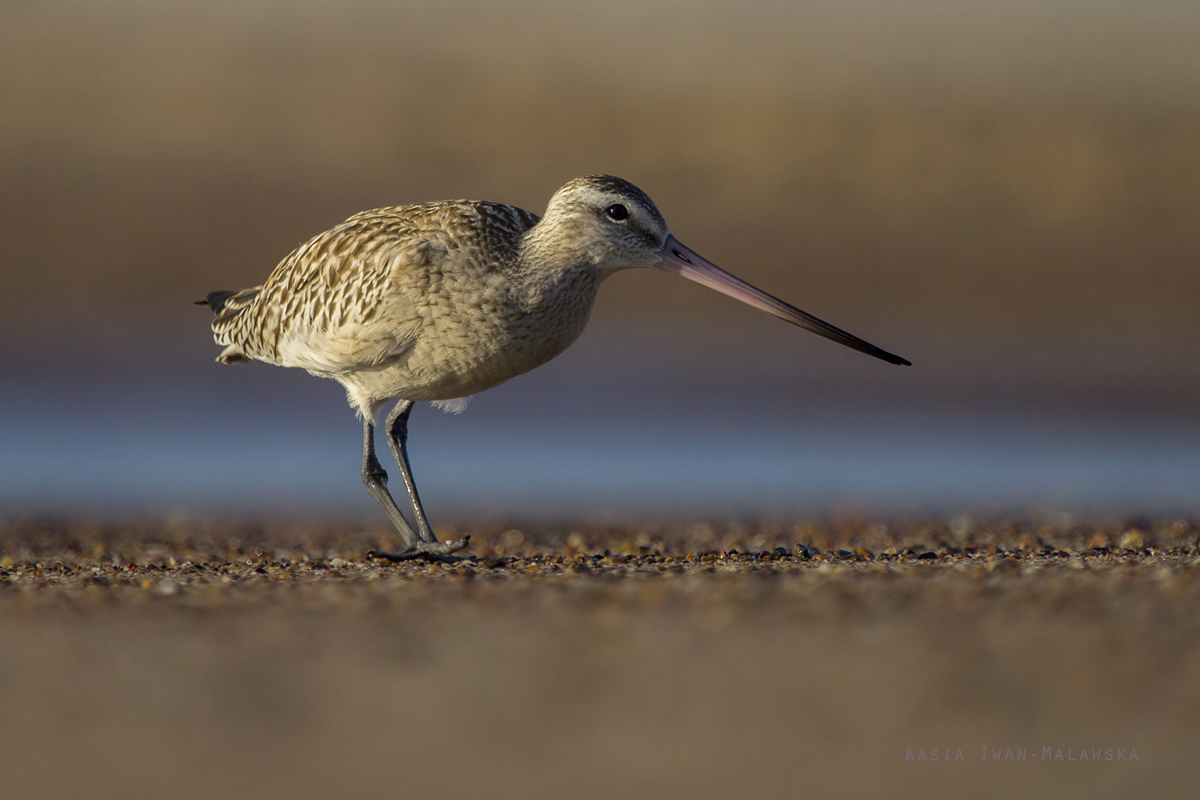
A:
x,y
227,306
225,303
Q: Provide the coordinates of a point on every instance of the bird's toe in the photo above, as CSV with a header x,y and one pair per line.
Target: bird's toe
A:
x,y
431,550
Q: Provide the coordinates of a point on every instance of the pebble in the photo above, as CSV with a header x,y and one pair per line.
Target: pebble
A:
x,y
1132,539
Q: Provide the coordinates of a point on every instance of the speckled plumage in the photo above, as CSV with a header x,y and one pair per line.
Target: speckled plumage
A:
x,y
426,302
442,300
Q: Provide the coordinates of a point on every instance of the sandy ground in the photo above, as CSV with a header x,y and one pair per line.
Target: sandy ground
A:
x,y
828,660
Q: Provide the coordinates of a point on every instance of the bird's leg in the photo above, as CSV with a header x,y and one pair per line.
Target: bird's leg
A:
x,y
397,433
375,479
427,544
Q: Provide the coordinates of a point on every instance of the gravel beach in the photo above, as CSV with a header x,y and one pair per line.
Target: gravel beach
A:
x,y
835,659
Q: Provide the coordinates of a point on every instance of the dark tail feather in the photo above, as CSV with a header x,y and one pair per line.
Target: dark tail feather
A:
x,y
216,300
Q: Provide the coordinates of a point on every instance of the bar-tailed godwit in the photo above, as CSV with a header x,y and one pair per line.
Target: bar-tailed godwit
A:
x,y
443,300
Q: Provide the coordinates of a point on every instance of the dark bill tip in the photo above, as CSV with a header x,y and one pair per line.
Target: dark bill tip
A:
x,y
687,263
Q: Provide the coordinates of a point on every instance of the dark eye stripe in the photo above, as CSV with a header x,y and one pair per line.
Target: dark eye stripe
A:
x,y
617,212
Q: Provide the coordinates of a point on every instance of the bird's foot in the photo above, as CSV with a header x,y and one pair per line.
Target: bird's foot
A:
x,y
431,550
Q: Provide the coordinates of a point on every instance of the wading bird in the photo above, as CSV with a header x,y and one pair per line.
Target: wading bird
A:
x,y
443,300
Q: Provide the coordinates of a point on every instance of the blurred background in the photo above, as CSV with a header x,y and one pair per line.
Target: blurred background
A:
x,y
1008,194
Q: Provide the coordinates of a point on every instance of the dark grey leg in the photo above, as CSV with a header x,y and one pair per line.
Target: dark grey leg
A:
x,y
397,433
375,479
427,544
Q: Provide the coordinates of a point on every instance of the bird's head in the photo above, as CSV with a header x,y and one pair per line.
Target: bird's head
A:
x,y
608,224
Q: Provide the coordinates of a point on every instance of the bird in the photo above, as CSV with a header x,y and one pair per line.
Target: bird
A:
x,y
440,301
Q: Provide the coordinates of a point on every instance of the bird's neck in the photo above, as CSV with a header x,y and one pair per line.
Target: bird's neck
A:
x,y
555,270
549,246
549,254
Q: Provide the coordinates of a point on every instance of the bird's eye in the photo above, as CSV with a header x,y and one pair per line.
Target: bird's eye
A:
x,y
617,212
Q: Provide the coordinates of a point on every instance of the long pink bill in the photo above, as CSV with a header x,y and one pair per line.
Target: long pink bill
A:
x,y
684,261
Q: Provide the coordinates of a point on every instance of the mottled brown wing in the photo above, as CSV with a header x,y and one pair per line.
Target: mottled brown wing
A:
x,y
331,305
335,305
